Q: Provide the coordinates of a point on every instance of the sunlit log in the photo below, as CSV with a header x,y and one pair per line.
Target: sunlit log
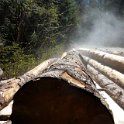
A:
x,y
112,74
114,61
60,91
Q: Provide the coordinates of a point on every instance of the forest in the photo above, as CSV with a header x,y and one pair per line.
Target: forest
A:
x,y
32,31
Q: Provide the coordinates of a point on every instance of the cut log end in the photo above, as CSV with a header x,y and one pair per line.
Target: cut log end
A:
x,y
54,101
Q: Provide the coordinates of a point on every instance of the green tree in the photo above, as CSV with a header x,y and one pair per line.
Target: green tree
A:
x,y
36,26
48,19
69,17
14,62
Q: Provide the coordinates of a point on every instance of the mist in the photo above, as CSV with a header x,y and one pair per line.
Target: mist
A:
x,y
99,28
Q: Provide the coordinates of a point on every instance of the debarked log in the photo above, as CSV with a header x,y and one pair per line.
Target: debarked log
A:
x,y
61,93
112,74
114,61
114,51
107,85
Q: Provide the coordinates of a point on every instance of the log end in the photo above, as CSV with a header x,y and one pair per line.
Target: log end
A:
x,y
54,101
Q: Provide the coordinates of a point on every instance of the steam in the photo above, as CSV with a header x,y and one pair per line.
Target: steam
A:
x,y
100,29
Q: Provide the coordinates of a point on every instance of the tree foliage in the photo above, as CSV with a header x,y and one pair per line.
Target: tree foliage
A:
x,y
47,20
35,25
14,62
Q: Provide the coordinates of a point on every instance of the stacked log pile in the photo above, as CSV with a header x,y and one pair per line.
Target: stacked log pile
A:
x,y
107,70
78,68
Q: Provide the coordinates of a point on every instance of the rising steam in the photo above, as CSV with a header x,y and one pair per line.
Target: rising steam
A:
x,y
100,29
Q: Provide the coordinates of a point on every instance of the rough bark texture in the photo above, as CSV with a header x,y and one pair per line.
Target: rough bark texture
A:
x,y
64,88
69,68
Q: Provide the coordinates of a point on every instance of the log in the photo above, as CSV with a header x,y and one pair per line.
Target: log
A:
x,y
114,61
112,51
61,92
112,74
8,88
107,85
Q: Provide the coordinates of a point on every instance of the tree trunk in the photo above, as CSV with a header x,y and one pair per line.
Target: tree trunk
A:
x,y
112,51
57,91
116,93
114,61
112,74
